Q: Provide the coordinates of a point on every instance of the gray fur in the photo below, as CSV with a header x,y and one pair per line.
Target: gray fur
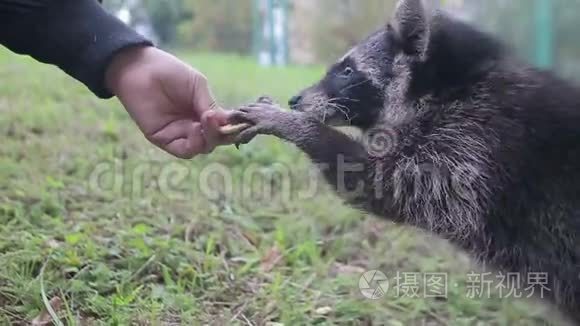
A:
x,y
478,147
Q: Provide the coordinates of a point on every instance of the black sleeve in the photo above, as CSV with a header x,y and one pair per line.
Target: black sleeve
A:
x,y
78,36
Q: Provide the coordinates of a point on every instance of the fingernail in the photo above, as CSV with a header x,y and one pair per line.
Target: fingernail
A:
x,y
207,116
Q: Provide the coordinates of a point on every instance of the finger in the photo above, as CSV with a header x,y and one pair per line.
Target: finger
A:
x,y
181,148
237,117
183,139
212,121
217,116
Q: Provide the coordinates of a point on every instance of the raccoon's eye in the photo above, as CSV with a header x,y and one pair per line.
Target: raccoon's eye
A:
x,y
347,72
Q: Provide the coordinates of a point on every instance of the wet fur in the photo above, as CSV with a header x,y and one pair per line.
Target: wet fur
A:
x,y
484,149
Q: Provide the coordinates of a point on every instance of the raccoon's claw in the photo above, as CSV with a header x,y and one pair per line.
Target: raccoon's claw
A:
x,y
245,136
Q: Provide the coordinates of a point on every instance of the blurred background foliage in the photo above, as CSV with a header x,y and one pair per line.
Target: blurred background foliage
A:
x,y
321,30
326,27
515,22
219,26
344,22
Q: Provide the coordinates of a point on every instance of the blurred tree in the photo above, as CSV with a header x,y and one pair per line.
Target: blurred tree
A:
x,y
163,16
567,24
513,21
222,25
166,15
343,23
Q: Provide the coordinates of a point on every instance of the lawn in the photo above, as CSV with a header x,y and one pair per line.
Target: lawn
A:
x,y
115,232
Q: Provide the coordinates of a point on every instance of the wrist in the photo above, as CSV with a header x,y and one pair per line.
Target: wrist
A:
x,y
124,65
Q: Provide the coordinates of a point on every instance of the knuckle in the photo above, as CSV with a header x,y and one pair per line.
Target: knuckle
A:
x,y
186,156
200,80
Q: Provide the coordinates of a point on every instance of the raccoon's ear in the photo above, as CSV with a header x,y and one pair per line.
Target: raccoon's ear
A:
x,y
411,27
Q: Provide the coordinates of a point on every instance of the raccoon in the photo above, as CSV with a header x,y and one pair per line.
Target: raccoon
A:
x,y
462,139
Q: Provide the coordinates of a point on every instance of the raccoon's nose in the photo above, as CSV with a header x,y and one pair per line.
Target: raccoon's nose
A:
x,y
294,102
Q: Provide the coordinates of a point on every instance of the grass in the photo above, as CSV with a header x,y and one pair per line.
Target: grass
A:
x,y
120,233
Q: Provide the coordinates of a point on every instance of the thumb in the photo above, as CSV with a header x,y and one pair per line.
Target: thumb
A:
x,y
211,121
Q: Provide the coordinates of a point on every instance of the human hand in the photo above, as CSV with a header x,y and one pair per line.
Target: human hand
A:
x,y
170,101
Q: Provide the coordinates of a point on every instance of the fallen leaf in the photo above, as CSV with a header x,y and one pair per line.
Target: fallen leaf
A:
x,y
375,231
323,311
189,230
53,244
44,319
272,258
251,238
343,269
396,323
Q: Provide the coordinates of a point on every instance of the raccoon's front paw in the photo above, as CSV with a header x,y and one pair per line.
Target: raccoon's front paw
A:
x,y
265,117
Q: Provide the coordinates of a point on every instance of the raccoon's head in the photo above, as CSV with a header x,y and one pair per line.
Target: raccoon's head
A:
x,y
419,51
